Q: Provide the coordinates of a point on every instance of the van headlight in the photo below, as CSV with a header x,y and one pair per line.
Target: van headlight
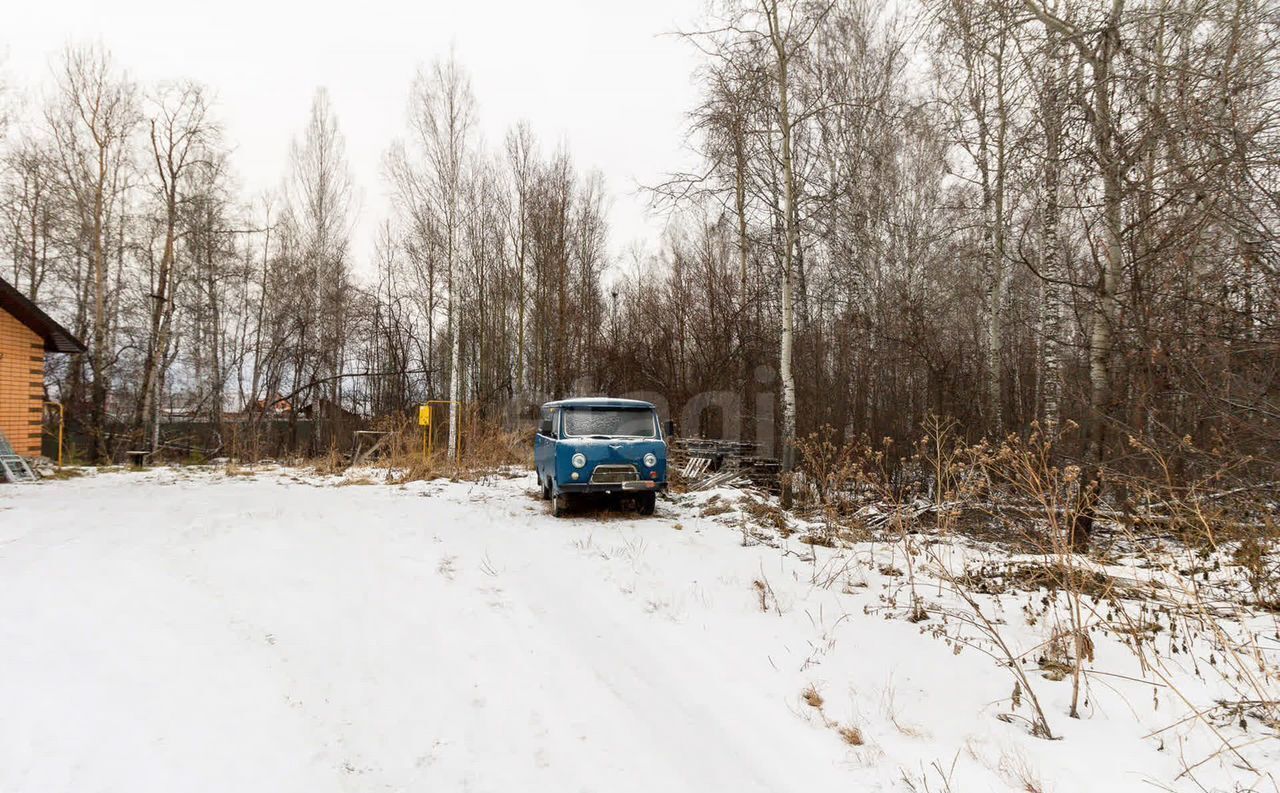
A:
x,y
650,460
579,460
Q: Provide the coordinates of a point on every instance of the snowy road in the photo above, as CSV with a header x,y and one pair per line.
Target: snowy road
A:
x,y
178,631
266,636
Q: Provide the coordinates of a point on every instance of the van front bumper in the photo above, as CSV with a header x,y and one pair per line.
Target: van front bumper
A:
x,y
619,488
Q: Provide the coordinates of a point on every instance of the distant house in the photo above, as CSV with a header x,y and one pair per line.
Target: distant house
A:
x,y
26,334
278,406
328,410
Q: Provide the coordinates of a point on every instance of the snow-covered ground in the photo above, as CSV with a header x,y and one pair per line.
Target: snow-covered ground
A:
x,y
187,630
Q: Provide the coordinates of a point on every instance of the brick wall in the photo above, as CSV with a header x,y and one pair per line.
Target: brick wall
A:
x,y
21,385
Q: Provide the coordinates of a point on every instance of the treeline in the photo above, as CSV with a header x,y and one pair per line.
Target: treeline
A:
x,y
1004,212
122,218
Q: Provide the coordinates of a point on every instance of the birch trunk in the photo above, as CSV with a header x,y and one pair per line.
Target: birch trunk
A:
x,y
1051,270
788,269
1111,172
455,346
998,286
98,391
1103,338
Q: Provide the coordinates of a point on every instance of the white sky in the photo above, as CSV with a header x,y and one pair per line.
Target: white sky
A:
x,y
600,75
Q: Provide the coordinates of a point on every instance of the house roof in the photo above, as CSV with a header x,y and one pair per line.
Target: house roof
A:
x,y
56,338
599,402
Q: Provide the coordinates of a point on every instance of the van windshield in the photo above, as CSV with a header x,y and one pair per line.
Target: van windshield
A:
x,y
610,423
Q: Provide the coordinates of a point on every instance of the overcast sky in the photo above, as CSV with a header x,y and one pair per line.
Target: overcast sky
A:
x,y
599,74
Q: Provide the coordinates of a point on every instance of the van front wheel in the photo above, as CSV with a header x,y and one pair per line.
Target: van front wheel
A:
x,y
560,505
645,503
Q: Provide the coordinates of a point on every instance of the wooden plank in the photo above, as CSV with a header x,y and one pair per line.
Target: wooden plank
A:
x,y
361,455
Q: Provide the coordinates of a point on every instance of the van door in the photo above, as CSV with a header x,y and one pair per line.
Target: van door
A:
x,y
544,445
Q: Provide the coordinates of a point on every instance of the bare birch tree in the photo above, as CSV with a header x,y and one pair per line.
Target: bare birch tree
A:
x,y
1098,44
179,133
320,200
442,110
92,120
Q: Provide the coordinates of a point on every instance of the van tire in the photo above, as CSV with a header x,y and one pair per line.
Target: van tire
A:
x,y
560,506
646,502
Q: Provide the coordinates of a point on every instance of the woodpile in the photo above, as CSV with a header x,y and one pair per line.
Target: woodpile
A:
x,y
706,463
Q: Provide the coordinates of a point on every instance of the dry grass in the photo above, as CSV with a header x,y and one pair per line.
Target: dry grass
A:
x,y
994,578
63,473
768,514
848,733
823,538
360,480
764,592
235,469
601,510
851,735
1056,662
486,450
676,481
1179,534
715,506
811,697
331,464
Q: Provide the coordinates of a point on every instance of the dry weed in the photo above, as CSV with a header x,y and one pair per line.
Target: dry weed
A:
x,y
767,514
811,697
851,735
355,481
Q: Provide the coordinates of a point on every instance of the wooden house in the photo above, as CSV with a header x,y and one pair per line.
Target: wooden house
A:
x,y
27,334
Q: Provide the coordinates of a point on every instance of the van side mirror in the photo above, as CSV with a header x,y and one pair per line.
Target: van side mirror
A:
x,y
669,429
545,428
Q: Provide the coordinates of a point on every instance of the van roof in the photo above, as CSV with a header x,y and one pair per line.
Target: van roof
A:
x,y
598,402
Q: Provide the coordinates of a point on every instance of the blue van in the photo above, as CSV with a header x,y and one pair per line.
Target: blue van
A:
x,y
598,445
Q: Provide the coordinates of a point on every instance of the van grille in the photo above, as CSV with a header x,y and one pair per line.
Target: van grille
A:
x,y
613,474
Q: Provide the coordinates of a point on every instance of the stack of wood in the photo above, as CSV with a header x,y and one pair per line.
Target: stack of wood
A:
x,y
708,462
